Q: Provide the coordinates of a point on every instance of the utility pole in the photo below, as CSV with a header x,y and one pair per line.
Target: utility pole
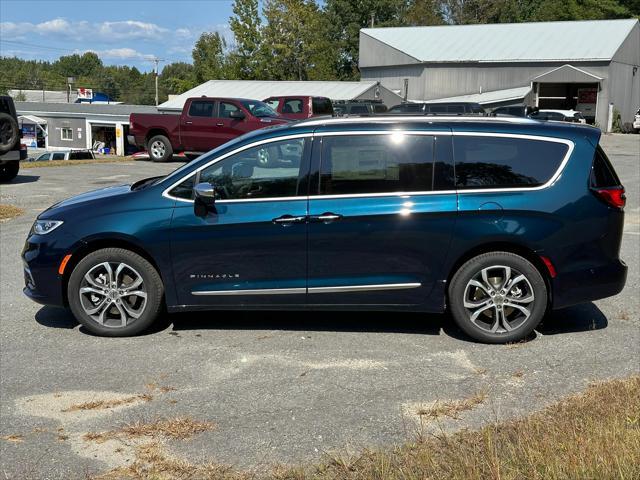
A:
x,y
156,61
373,18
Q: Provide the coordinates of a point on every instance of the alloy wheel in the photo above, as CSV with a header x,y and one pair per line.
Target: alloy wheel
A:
x,y
158,149
498,299
113,294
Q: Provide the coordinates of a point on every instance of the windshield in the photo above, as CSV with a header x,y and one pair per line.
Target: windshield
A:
x,y
259,109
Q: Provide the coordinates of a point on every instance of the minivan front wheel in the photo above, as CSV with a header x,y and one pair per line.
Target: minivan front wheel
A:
x,y
115,292
498,297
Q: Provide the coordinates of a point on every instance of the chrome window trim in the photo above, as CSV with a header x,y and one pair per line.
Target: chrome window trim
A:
x,y
570,144
364,288
287,291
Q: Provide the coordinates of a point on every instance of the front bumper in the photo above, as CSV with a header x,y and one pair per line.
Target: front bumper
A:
x,y
590,284
41,257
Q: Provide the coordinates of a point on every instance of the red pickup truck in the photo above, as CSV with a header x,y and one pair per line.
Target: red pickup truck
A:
x,y
205,123
298,107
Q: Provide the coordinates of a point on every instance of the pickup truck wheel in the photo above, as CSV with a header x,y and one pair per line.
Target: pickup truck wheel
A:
x,y
9,171
8,132
159,148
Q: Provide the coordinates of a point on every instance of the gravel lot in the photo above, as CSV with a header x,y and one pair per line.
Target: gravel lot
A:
x,y
280,387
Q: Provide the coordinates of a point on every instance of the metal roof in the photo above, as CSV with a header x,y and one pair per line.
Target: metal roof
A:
x,y
509,42
260,90
82,109
494,96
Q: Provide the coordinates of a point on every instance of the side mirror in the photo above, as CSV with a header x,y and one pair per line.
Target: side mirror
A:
x,y
237,115
205,193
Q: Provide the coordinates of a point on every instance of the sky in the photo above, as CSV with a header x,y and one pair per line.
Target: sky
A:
x,y
121,32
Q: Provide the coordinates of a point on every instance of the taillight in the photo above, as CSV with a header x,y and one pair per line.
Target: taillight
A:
x,y
23,146
614,197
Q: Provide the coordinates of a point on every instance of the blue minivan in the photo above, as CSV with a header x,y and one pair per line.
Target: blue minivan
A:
x,y
497,220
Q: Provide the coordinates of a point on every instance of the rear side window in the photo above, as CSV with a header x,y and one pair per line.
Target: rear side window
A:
x,y
321,106
57,156
369,164
602,173
456,109
438,108
293,105
504,162
201,109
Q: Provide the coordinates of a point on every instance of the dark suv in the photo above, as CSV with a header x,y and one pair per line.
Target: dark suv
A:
x,y
438,108
359,108
497,219
11,152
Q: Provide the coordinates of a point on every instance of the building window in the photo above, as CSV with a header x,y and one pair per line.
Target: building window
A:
x,y
66,134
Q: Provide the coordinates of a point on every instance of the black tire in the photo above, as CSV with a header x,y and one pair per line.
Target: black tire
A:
x,y
112,325
9,132
495,304
9,171
159,149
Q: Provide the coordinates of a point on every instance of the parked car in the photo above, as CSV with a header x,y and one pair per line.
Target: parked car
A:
x,y
521,110
11,151
298,107
636,122
438,108
558,115
204,123
64,155
359,108
476,214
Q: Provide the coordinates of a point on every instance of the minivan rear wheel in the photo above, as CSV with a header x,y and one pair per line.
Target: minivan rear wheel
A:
x,y
498,297
114,292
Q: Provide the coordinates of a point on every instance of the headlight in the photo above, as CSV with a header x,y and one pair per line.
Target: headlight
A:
x,y
42,227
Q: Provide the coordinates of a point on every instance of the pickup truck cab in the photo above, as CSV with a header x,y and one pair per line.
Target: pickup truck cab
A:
x,y
299,107
205,123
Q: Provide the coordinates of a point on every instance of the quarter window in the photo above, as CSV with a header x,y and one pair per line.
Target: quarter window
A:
x,y
66,133
201,109
503,162
365,164
292,106
265,171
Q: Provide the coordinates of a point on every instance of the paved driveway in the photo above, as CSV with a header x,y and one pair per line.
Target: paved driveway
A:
x,y
279,387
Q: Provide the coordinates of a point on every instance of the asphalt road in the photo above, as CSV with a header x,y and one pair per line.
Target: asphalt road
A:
x,y
280,387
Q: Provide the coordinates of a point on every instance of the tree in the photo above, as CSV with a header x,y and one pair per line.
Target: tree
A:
x,y
422,12
345,18
176,78
209,59
295,41
246,60
75,65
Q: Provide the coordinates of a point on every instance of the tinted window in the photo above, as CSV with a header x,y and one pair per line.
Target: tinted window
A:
x,y
57,156
359,109
438,109
264,171
80,156
227,108
456,109
321,106
292,106
376,164
201,109
184,190
500,162
477,109
602,173
377,108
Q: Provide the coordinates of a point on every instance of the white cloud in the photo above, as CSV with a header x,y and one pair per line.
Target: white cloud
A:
x,y
124,53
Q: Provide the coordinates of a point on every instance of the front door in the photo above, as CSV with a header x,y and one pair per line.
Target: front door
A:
x,y
198,126
251,248
380,220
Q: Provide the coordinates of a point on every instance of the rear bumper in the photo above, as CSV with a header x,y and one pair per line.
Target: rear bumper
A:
x,y
13,155
589,284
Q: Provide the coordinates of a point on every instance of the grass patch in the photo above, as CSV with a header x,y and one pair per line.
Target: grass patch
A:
x,y
593,435
106,404
7,212
180,428
452,409
70,163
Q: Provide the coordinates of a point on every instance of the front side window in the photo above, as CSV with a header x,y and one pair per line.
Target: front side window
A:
x,y
273,103
265,171
226,109
505,162
200,108
259,109
293,105
66,133
369,164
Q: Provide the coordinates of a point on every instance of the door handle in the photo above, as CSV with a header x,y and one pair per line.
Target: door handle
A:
x,y
326,217
219,124
189,123
286,220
